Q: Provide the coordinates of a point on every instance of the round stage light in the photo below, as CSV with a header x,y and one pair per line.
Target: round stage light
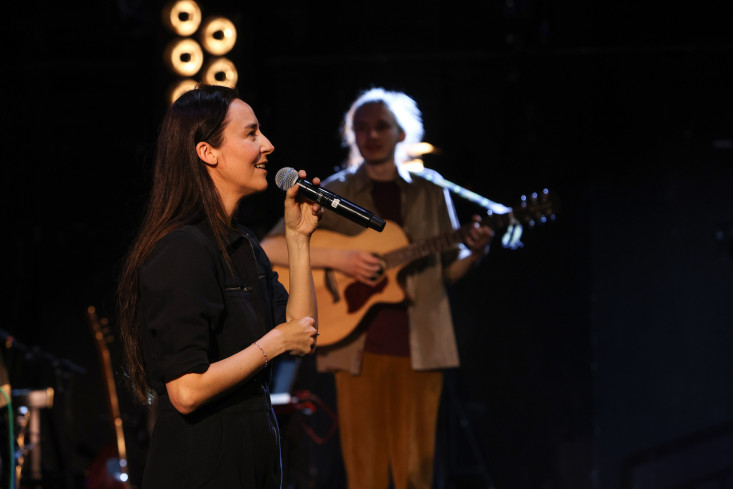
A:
x,y
182,17
179,88
220,71
184,56
218,35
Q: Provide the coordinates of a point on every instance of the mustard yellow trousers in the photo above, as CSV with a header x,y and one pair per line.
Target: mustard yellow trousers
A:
x,y
387,421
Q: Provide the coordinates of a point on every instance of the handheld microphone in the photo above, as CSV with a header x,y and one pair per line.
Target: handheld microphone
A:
x,y
287,177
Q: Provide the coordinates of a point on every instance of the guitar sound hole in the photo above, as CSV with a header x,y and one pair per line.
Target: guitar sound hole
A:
x,y
357,294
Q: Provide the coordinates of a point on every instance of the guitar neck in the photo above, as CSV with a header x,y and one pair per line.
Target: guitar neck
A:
x,y
440,243
112,401
535,209
425,247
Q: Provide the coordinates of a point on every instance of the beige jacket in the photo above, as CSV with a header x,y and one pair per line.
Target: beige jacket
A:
x,y
427,212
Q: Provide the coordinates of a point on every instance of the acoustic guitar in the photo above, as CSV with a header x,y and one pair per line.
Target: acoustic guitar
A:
x,y
344,301
109,469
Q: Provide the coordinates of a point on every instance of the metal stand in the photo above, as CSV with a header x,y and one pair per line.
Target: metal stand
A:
x,y
29,404
452,468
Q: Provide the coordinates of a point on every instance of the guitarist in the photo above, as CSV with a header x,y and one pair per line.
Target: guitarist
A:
x,y
388,372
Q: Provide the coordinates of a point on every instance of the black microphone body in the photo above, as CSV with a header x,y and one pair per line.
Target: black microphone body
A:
x,y
287,177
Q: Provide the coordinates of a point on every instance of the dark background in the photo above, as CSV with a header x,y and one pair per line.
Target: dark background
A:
x,y
597,356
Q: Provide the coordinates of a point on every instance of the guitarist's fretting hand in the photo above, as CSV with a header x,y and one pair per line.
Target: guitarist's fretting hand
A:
x,y
478,241
359,264
479,236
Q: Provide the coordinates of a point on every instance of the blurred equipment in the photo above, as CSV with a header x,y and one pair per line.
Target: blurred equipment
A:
x,y
302,402
4,380
29,404
24,423
7,460
109,470
283,378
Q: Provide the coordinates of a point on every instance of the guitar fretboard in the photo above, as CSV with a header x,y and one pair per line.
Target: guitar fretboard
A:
x,y
536,209
424,247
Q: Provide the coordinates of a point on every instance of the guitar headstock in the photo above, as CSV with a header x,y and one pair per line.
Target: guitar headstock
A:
x,y
535,209
100,327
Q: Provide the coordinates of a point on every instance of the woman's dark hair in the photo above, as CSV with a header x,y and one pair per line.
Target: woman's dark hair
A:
x,y
182,193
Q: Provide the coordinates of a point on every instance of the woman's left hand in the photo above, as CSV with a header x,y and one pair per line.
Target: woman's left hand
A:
x,y
301,215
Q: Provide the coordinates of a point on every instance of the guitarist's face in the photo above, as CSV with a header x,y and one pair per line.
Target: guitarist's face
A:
x,y
377,133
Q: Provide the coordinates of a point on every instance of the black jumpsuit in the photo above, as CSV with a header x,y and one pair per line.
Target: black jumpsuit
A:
x,y
195,311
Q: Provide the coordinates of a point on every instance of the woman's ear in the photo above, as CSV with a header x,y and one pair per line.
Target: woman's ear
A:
x,y
206,154
402,136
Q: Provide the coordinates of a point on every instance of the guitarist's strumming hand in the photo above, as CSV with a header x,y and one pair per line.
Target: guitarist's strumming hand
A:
x,y
301,216
361,265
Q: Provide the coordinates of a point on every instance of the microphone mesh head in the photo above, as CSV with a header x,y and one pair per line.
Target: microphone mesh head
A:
x,y
286,178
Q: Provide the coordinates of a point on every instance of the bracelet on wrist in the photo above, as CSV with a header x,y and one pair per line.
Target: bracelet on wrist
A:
x,y
267,360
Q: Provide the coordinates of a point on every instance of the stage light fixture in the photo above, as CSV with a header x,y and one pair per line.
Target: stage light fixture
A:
x,y
182,17
415,165
184,56
218,35
422,148
197,45
179,88
220,71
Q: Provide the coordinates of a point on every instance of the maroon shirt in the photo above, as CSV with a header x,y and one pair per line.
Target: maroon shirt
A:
x,y
388,330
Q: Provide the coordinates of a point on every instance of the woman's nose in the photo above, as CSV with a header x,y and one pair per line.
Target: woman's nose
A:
x,y
266,147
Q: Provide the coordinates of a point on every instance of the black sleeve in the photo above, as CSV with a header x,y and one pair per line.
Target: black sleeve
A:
x,y
180,301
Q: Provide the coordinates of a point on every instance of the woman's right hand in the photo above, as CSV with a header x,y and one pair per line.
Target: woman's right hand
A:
x,y
301,215
299,336
361,265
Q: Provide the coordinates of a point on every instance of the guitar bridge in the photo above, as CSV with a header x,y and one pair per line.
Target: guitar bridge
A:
x,y
332,286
